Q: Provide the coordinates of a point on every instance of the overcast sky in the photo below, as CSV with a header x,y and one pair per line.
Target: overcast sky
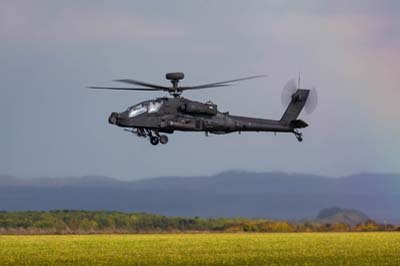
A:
x,y
51,125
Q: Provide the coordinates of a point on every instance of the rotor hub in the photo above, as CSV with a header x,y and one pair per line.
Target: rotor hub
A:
x,y
175,77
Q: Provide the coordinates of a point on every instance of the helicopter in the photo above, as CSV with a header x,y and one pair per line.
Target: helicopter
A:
x,y
155,118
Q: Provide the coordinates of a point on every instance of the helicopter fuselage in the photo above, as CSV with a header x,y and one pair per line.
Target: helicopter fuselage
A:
x,y
167,115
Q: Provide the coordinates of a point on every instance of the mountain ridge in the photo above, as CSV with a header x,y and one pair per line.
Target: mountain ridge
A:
x,y
274,195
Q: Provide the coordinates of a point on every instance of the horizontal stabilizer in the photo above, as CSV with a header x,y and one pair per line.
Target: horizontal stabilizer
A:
x,y
298,124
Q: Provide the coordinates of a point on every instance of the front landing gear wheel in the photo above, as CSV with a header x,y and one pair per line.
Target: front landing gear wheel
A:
x,y
154,140
163,139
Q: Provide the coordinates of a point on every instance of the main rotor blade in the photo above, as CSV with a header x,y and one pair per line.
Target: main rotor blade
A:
x,y
141,83
124,89
199,87
217,84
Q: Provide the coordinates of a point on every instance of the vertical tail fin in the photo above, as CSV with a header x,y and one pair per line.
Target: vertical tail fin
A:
x,y
299,99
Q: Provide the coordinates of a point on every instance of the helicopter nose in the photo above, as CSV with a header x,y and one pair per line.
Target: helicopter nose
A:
x,y
113,119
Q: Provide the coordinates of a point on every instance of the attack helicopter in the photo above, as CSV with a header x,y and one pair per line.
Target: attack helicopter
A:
x,y
155,118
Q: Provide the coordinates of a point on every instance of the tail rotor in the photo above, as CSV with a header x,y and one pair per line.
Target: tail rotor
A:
x,y
291,88
312,101
294,98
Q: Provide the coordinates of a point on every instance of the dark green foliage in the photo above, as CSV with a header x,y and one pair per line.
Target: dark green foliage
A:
x,y
67,221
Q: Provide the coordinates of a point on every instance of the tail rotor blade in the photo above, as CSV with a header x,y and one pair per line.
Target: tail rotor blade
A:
x,y
312,101
287,92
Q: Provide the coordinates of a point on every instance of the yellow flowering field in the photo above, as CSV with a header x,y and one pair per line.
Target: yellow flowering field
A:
x,y
203,249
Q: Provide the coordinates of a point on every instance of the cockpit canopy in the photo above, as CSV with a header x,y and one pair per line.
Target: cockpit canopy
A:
x,y
149,106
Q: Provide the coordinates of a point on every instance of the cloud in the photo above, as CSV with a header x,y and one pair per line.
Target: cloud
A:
x,y
28,22
362,49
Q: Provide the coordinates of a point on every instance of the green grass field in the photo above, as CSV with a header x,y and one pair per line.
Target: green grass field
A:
x,y
203,249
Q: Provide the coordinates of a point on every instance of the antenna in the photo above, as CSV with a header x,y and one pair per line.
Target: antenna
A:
x,y
298,82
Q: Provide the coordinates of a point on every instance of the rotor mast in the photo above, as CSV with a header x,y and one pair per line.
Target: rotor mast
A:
x,y
175,77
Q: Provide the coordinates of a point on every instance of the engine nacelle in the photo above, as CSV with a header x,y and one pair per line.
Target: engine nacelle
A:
x,y
199,108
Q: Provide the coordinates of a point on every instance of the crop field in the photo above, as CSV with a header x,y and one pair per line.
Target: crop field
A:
x,y
203,249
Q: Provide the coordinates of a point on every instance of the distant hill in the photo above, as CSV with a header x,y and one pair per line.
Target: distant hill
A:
x,y
338,215
229,194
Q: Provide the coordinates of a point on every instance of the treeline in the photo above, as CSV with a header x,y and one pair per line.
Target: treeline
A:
x,y
86,222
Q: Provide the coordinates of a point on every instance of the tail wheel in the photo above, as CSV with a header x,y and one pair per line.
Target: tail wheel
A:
x,y
154,141
298,135
163,139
